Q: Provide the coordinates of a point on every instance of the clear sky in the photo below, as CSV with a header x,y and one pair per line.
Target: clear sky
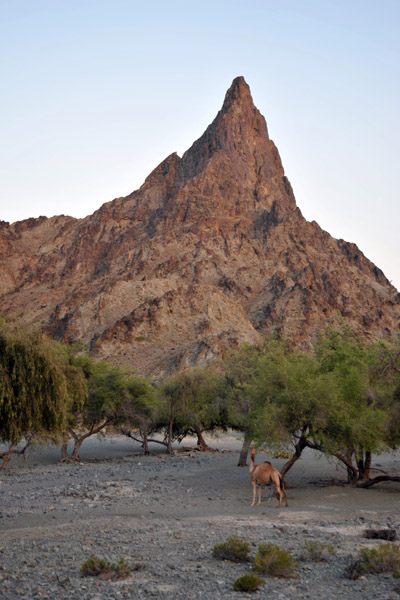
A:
x,y
95,93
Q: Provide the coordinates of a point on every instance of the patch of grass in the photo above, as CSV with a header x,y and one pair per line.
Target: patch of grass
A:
x,y
104,569
272,561
317,551
248,583
233,549
385,559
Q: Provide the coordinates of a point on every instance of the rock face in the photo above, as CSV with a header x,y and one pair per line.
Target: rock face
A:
x,y
208,254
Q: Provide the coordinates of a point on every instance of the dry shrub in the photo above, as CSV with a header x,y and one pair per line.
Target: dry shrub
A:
x,y
272,561
104,569
233,549
317,551
385,559
248,583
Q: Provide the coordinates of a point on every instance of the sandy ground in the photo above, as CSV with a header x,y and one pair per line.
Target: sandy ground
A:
x,y
194,499
315,486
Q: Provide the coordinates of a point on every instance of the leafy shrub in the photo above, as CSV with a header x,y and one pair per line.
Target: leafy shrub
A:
x,y
233,549
385,559
317,551
273,561
104,569
248,583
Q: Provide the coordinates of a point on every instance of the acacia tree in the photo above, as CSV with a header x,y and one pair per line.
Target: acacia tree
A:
x,y
290,401
325,401
358,426
113,397
242,369
192,404
384,373
139,409
36,382
100,406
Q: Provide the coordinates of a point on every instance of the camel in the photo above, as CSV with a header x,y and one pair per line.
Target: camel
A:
x,y
265,474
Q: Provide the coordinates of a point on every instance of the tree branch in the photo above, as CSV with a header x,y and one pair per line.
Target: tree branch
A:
x,y
374,480
129,435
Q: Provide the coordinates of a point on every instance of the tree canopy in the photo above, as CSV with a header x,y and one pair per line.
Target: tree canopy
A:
x,y
37,383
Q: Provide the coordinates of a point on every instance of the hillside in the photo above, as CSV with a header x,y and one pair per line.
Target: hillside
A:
x,y
209,253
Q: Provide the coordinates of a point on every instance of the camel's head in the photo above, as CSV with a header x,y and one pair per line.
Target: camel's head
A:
x,y
253,453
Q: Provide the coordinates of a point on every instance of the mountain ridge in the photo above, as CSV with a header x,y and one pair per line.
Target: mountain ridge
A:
x,y
209,253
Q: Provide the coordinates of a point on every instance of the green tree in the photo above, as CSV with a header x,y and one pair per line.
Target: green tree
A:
x,y
241,369
36,386
357,426
192,404
291,399
328,401
113,396
140,409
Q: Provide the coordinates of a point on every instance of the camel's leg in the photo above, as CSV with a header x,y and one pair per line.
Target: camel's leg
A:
x,y
259,493
284,493
280,496
254,492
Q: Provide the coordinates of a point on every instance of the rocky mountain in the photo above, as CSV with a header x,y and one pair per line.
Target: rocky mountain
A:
x,y
209,253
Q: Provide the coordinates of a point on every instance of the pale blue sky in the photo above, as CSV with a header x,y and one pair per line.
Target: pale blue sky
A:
x,y
94,94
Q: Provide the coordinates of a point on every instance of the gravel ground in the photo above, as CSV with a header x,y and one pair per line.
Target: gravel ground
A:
x,y
164,515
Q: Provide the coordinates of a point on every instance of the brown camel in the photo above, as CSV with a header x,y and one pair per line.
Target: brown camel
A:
x,y
264,474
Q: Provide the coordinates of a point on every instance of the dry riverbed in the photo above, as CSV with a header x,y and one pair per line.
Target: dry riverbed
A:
x,y
163,515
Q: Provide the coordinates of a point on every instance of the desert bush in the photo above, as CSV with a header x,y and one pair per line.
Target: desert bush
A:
x,y
385,559
273,561
248,583
233,549
104,569
317,551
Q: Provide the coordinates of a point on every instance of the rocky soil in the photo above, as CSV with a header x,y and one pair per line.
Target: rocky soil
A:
x,y
164,515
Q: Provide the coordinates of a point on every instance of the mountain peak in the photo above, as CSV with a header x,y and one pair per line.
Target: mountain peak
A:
x,y
236,145
239,92
210,253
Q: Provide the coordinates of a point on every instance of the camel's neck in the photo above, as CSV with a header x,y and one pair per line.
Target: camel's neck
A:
x,y
252,465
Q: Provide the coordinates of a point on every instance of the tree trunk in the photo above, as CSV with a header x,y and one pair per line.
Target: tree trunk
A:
x,y
77,447
8,456
145,443
244,451
64,447
92,431
368,462
201,442
352,473
170,430
364,466
298,449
